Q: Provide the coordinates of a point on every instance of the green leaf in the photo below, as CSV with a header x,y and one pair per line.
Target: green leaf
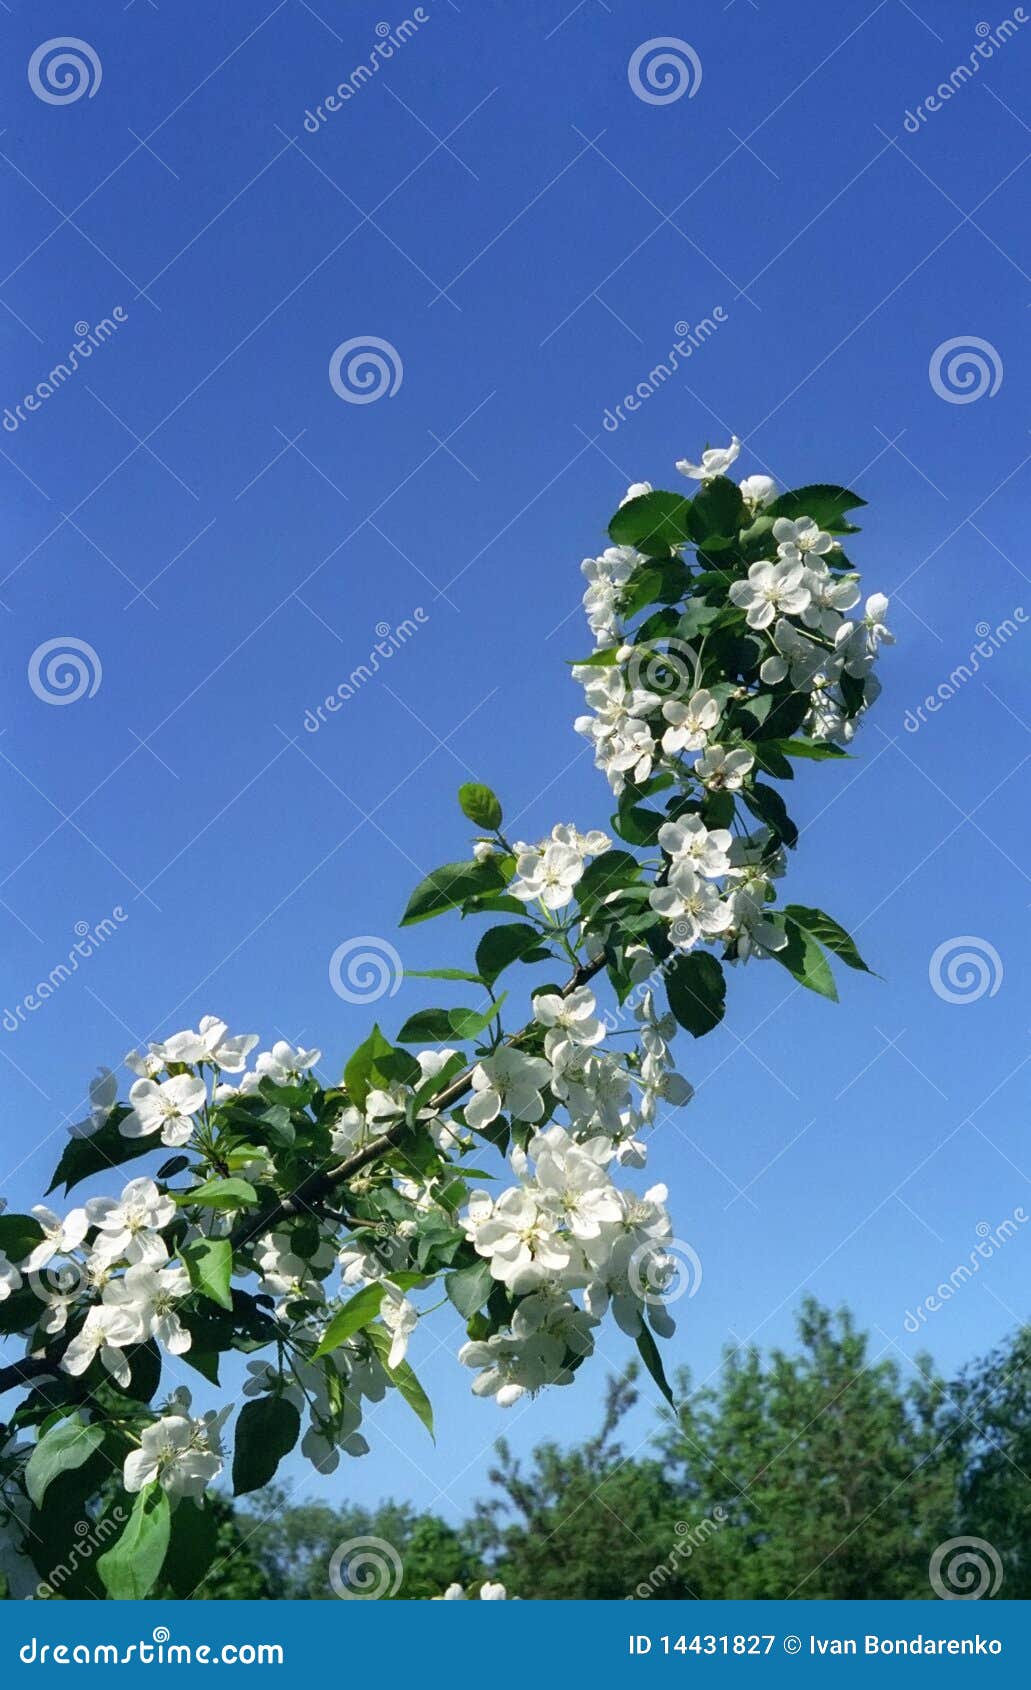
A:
x,y
19,1235
697,991
131,1566
818,750
356,1313
220,1194
438,1026
664,582
647,1350
377,1062
84,1157
607,874
65,1446
209,1263
266,1431
444,974
480,804
192,1548
502,945
450,886
717,511
803,958
829,932
826,505
469,1288
767,803
404,1378
638,825
772,760
654,523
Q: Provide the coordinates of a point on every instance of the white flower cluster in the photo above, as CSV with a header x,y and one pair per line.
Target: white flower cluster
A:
x,y
549,871
794,599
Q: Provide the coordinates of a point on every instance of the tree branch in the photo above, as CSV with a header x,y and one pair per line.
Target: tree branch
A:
x,y
322,1183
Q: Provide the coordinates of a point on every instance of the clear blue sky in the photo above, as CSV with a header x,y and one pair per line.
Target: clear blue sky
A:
x,y
499,206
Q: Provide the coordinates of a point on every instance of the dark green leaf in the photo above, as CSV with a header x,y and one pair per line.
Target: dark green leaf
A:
x,y
649,1354
654,523
717,510
469,1288
503,945
19,1235
84,1157
767,803
826,505
697,991
192,1548
438,1026
403,1377
829,932
450,886
803,958
266,1431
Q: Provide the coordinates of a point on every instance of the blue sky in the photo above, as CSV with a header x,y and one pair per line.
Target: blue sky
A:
x,y
200,507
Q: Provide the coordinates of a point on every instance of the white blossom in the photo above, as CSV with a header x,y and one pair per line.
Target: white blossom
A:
x,y
716,460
